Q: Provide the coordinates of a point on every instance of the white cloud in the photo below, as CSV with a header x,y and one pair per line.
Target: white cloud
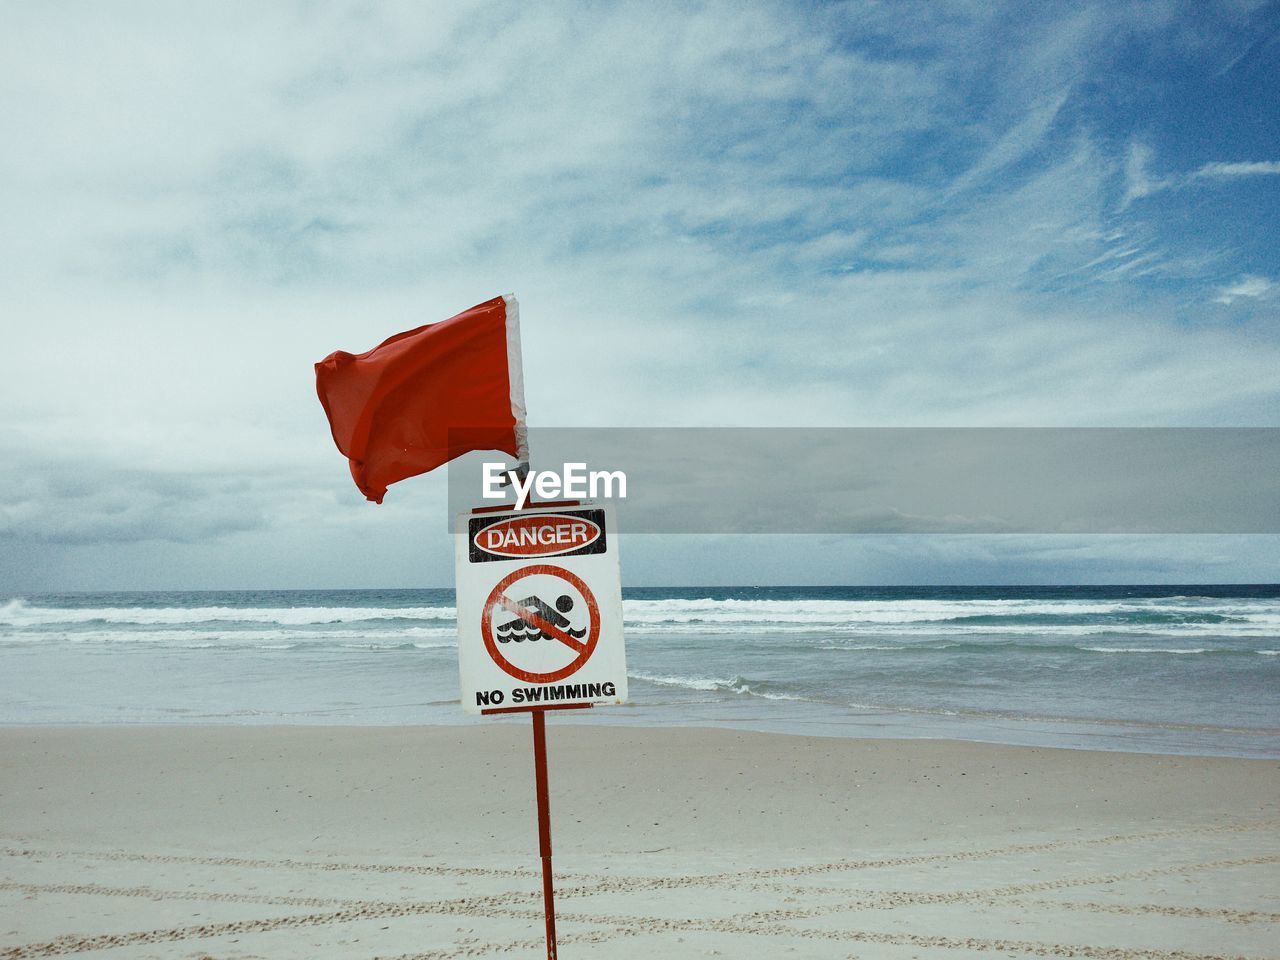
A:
x,y
1225,171
1247,287
1140,182
1015,144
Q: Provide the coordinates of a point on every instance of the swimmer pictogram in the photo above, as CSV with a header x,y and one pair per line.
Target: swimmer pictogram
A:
x,y
572,620
519,629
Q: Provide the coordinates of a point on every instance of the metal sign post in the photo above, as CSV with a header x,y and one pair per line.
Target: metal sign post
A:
x,y
544,826
543,798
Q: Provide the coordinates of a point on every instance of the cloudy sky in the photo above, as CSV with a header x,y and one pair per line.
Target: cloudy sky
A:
x,y
797,214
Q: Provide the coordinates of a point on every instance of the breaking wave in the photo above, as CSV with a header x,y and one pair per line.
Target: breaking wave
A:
x,y
763,689
18,613
868,625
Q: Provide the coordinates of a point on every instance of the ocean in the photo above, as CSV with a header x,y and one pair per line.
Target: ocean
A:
x,y
1168,669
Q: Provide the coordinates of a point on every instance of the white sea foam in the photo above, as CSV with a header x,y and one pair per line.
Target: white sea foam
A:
x,y
198,639
953,613
820,632
877,621
885,647
708,684
690,683
844,611
1145,649
17,613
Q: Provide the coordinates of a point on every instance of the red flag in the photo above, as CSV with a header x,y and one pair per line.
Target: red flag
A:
x,y
428,395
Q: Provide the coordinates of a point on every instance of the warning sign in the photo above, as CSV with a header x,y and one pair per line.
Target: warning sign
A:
x,y
534,631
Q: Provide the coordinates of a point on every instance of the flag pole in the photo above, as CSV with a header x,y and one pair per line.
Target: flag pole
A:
x,y
515,379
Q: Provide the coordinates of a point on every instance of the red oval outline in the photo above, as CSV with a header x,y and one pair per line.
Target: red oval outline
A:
x,y
566,517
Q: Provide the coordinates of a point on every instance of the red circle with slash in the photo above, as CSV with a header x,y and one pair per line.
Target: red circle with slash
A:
x,y
583,648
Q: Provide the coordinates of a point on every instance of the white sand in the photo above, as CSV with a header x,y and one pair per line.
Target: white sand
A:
x,y
284,842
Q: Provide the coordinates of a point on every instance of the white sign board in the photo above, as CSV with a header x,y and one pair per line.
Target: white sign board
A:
x,y
539,608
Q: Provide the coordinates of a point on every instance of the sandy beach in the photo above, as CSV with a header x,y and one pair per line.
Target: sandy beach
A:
x,y
316,842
